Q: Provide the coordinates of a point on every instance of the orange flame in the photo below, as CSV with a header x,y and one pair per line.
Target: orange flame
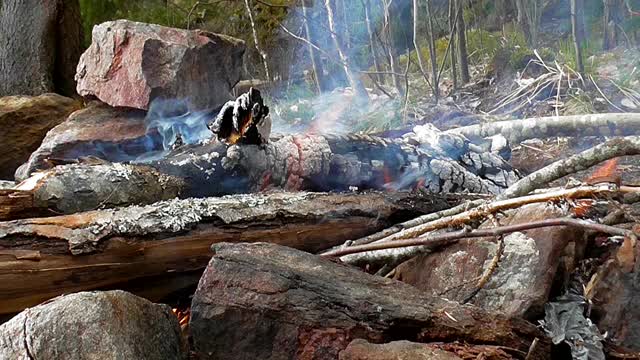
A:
x,y
183,316
386,175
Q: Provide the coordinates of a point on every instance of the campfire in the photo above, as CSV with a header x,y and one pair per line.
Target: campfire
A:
x,y
313,244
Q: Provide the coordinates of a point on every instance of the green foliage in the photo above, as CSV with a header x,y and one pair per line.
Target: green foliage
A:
x,y
579,103
566,54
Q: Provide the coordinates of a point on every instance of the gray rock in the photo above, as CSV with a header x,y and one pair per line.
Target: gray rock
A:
x,y
130,64
112,134
93,325
24,121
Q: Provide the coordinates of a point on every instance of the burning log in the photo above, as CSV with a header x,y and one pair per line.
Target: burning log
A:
x,y
241,160
262,301
307,162
166,245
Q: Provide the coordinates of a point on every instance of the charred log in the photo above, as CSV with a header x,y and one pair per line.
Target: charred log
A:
x,y
166,245
308,162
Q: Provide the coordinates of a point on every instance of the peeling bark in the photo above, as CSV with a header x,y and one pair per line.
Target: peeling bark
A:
x,y
166,245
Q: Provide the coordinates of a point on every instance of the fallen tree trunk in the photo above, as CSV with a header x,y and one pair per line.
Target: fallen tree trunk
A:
x,y
516,131
262,301
313,163
45,257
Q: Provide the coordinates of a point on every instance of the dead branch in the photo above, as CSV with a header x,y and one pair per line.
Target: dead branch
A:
x,y
610,149
483,211
517,131
438,240
397,256
486,276
415,222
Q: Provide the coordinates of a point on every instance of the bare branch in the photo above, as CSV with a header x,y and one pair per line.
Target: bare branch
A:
x,y
582,161
438,240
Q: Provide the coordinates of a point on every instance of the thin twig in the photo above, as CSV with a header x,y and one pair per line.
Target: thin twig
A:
x,y
501,205
486,276
440,240
610,149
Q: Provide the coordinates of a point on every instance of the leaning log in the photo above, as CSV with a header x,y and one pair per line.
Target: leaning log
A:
x,y
305,162
166,245
263,301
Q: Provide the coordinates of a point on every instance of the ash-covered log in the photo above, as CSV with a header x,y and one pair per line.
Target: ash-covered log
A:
x,y
304,162
166,245
241,160
263,301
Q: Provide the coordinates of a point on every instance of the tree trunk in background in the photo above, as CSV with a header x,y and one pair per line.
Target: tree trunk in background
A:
x,y
452,31
372,45
416,12
389,40
432,53
612,21
40,46
461,31
345,24
529,14
316,64
354,82
254,32
577,34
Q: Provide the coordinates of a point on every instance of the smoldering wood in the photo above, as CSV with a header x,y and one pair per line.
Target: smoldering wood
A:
x,y
312,307
166,245
293,162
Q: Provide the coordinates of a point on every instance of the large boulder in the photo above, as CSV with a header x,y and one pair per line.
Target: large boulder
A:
x,y
360,349
265,301
113,134
24,121
524,277
41,42
130,64
93,325
615,291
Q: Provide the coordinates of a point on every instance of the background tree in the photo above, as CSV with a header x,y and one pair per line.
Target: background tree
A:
x,y
41,43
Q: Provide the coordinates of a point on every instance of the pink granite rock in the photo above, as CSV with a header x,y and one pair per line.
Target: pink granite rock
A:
x,y
129,64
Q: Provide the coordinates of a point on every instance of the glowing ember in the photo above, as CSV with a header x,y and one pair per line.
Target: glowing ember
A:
x,y
608,172
183,316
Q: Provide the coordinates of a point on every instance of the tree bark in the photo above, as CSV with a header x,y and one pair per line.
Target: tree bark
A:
x,y
315,64
432,53
452,40
372,44
516,131
42,58
416,46
254,32
461,32
577,33
612,21
313,308
388,36
354,82
166,245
